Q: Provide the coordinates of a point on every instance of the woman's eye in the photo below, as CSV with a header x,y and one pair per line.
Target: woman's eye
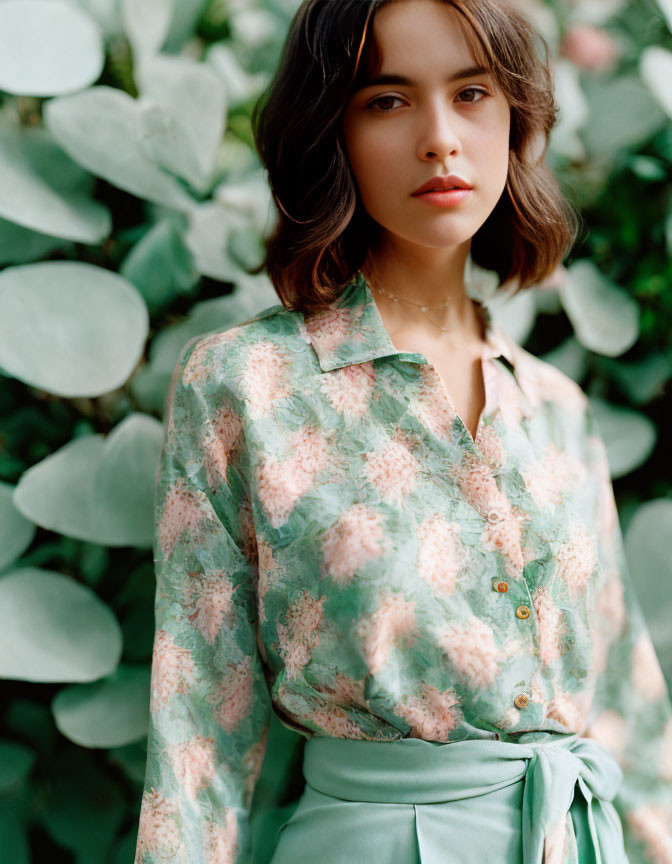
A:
x,y
473,90
382,99
375,104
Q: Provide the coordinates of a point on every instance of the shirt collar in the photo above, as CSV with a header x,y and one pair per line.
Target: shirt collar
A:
x,y
351,330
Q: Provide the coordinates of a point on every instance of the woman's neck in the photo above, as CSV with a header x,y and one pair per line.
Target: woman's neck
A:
x,y
457,325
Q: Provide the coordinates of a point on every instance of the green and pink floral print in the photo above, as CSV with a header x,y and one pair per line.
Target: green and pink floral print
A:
x,y
333,545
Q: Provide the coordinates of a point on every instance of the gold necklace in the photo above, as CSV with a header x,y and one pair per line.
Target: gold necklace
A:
x,y
420,306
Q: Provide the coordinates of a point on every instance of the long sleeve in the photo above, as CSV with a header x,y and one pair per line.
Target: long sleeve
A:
x,y
209,702
632,714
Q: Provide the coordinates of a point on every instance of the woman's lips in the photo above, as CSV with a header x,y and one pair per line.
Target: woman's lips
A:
x,y
444,198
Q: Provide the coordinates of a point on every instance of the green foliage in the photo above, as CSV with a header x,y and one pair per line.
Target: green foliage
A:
x,y
131,202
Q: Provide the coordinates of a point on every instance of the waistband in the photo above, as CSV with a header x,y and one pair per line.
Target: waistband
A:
x,y
415,771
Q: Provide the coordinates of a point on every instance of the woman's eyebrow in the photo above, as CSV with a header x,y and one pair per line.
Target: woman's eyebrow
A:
x,y
392,78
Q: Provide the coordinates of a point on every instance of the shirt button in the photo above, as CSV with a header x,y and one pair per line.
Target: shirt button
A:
x,y
521,701
502,587
523,611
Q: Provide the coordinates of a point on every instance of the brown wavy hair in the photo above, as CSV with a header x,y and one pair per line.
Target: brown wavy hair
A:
x,y
323,233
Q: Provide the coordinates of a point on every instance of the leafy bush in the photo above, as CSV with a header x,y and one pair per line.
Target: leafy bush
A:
x,y
131,205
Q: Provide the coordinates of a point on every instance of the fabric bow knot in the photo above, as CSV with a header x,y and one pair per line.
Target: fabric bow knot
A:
x,y
550,834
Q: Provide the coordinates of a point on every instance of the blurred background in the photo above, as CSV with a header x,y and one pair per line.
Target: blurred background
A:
x,y
132,204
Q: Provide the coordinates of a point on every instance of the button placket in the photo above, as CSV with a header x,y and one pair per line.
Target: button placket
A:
x,y
523,611
494,515
522,695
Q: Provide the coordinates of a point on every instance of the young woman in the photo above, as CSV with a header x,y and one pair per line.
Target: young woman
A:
x,y
381,518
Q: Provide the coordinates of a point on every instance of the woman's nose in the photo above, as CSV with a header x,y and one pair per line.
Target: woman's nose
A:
x,y
439,136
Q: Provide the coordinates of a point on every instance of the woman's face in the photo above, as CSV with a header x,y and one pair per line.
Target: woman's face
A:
x,y
400,135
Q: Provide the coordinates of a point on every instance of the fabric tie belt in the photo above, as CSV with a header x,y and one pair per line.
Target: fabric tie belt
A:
x,y
426,772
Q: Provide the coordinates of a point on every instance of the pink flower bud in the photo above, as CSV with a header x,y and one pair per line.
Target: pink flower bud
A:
x,y
589,47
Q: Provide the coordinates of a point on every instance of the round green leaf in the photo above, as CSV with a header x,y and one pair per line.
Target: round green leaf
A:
x,y
605,318
107,713
249,196
569,357
43,189
107,14
16,532
52,628
252,28
160,266
655,64
47,48
99,129
146,23
240,85
643,379
19,245
629,436
515,315
70,328
610,99
573,111
186,15
15,763
245,247
125,481
210,227
185,136
648,168
41,495
95,488
666,9
651,567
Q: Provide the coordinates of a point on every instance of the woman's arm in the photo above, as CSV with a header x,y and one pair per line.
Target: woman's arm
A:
x,y
209,704
632,713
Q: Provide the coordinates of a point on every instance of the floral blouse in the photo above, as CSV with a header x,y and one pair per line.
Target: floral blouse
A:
x,y
333,546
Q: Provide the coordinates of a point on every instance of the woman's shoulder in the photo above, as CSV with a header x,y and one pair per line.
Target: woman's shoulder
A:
x,y
227,355
269,321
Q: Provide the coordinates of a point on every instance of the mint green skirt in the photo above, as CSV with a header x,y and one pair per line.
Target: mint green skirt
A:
x,y
486,801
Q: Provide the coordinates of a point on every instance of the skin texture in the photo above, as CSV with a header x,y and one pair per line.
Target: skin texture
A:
x,y
413,134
